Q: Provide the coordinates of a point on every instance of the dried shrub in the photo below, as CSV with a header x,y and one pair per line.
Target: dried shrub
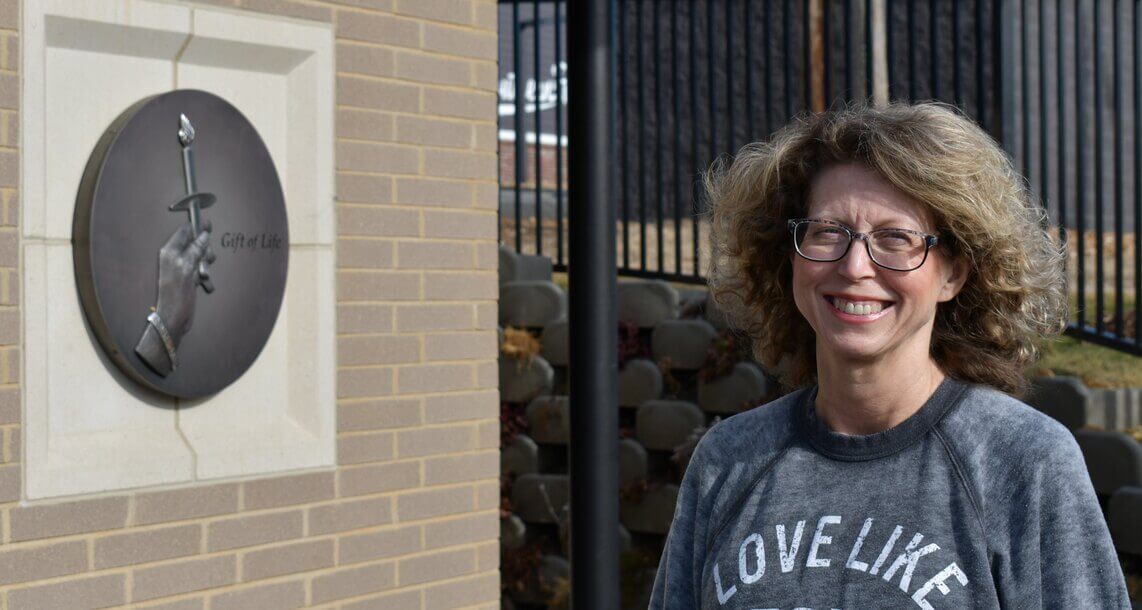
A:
x,y
725,351
632,344
513,421
519,345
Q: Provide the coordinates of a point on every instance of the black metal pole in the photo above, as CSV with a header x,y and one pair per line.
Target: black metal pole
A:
x,y
594,450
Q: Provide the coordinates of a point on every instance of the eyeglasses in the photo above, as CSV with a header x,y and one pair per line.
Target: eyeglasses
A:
x,y
825,241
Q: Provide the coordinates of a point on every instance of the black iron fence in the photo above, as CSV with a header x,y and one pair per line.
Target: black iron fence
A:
x,y
1056,81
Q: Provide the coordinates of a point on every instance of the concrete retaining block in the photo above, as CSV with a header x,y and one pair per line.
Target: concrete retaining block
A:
x,y
531,304
739,390
549,419
527,496
653,513
665,424
639,381
520,457
633,462
683,342
1064,398
647,302
520,381
1113,459
515,267
556,342
513,532
1124,516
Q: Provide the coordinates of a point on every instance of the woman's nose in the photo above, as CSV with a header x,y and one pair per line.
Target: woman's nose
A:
x,y
857,262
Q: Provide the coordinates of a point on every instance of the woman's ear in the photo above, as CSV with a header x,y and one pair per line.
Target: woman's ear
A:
x,y
956,274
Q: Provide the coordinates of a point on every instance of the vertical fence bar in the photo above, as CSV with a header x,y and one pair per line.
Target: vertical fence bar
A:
x,y
766,76
957,83
787,14
934,51
559,134
1136,72
1044,113
890,45
827,55
850,50
730,135
1119,177
640,75
1080,174
676,164
1024,93
659,176
979,77
911,38
1062,133
868,92
1099,202
624,141
695,188
710,50
747,42
806,47
538,132
520,140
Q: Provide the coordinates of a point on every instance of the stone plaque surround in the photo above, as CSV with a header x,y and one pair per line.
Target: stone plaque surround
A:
x,y
89,429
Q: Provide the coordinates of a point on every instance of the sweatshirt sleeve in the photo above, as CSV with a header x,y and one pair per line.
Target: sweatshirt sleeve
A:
x,y
1060,553
679,570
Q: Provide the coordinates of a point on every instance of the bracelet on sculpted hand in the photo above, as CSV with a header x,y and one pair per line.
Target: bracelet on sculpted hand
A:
x,y
168,342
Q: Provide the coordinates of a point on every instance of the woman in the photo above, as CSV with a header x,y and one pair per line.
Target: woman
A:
x,y
890,262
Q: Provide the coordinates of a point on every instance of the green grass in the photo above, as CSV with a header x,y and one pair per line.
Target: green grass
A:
x,y
1098,367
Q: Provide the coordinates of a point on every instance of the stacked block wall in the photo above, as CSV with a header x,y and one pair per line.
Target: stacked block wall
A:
x,y
409,517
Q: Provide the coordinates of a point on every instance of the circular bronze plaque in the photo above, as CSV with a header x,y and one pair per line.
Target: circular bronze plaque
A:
x,y
124,216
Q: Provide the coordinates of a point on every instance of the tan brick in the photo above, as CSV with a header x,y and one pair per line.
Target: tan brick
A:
x,y
183,577
418,379
9,483
452,11
431,191
487,375
391,542
11,121
371,94
288,559
142,547
291,9
487,495
461,406
467,104
434,255
242,532
373,157
433,69
460,346
378,286
431,503
97,592
485,76
487,314
451,286
186,504
436,566
464,530
434,317
489,435
9,365
194,603
433,132
359,319
460,41
9,249
487,15
403,600
355,25
349,515
385,6
364,188
287,491
353,582
369,382
444,163
356,124
9,15
281,595
487,256
9,406
437,440
378,478
364,448
9,287
10,91
462,468
36,522
488,555
365,59
378,414
365,253
458,224
9,167
385,349
9,327
486,137
42,562
486,196
377,221
455,594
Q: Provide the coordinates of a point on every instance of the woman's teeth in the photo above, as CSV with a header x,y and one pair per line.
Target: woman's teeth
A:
x,y
859,308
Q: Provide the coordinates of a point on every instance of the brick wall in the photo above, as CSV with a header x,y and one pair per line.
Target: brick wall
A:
x,y
410,517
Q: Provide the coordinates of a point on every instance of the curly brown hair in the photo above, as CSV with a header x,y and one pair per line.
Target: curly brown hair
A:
x,y
1014,295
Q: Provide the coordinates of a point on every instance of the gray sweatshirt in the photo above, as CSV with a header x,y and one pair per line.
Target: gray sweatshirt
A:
x,y
976,501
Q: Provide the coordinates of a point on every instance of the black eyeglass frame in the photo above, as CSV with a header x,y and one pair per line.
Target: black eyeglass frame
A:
x,y
930,241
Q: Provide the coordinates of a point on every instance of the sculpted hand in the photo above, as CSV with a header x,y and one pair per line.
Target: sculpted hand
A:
x,y
179,260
